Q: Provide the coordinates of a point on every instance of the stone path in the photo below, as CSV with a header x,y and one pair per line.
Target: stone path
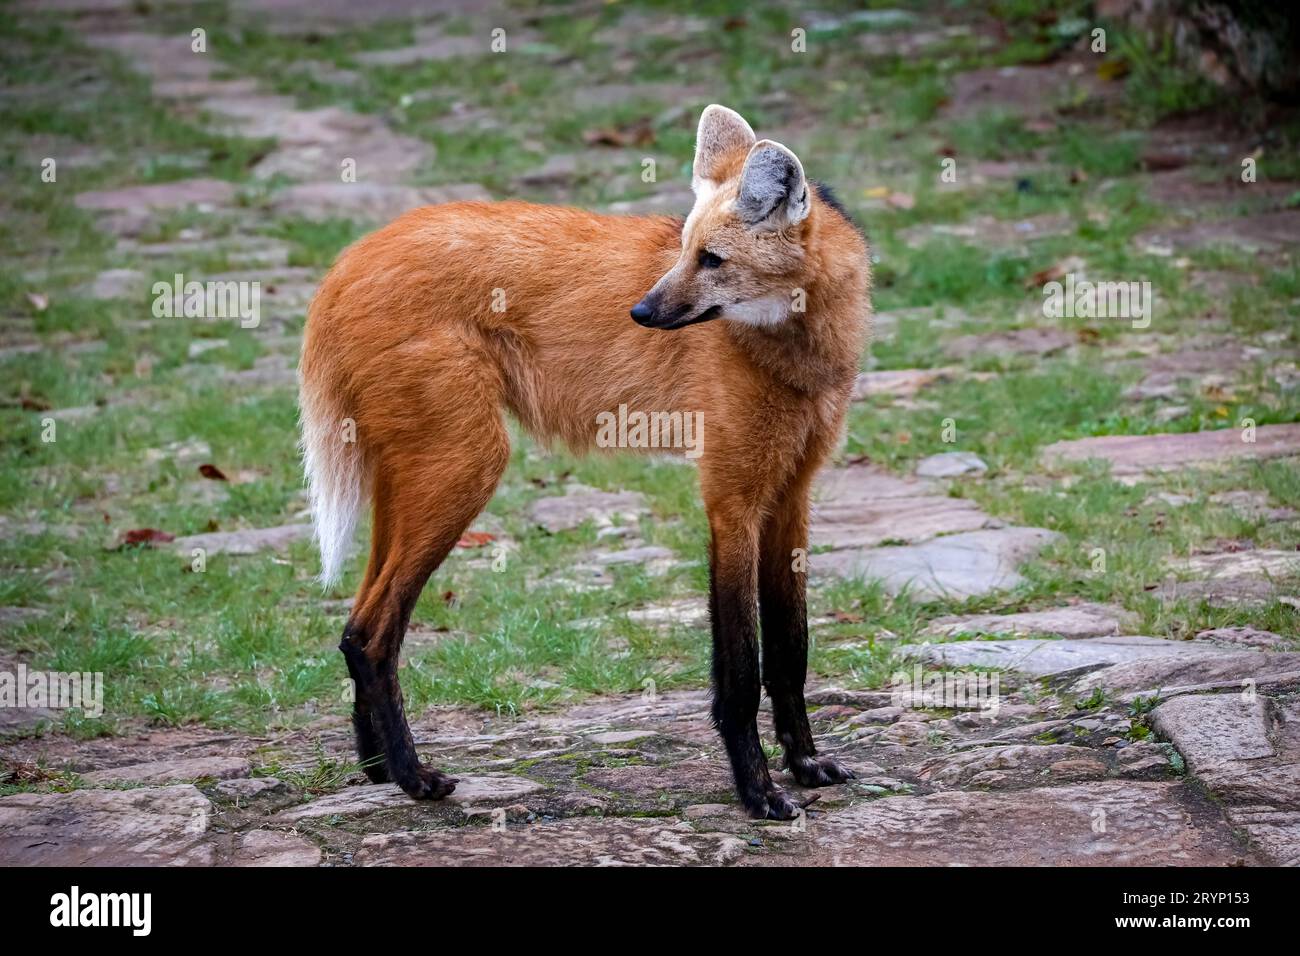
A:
x,y
1078,620
310,144
1129,454
1029,779
1246,750
911,536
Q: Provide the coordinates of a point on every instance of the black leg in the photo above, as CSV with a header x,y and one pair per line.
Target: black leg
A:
x,y
374,669
784,615
732,599
369,746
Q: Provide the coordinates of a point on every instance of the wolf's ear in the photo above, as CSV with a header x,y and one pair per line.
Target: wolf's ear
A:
x,y
773,191
721,135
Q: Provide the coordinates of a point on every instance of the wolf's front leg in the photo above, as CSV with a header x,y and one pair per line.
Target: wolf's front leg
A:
x,y
733,594
783,610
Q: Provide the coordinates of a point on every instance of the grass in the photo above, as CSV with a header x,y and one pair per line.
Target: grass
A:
x,y
248,643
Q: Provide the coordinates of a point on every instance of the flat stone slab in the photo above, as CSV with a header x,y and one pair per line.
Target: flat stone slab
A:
x,y
1105,823
860,506
200,88
266,115
862,483
674,805
373,202
1246,637
268,371
1027,91
689,777
1036,340
682,707
989,231
1076,621
248,788
1274,832
912,43
311,16
78,413
251,541
273,848
151,826
238,249
599,95
588,841
1133,454
649,554
560,170
120,284
18,721
312,143
1273,782
1192,189
898,383
1215,730
1222,591
1166,373
593,571
1245,748
1170,675
491,788
185,770
159,56
1262,562
357,801
854,525
570,511
1014,764
667,202
1235,577
1045,658
687,612
21,721
958,565
431,44
1253,505
951,464
174,195
1263,232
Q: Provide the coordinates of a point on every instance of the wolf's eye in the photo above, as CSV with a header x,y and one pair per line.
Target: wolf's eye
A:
x,y
709,260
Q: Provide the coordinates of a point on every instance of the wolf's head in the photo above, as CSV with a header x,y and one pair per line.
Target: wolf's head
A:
x,y
743,244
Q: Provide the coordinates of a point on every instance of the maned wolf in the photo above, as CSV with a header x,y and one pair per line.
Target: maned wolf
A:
x,y
752,313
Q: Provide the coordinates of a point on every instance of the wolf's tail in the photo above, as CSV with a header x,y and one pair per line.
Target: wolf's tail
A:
x,y
336,476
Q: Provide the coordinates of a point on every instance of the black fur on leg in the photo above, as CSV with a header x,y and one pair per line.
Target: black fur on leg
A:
x,y
783,612
388,727
785,668
369,747
736,695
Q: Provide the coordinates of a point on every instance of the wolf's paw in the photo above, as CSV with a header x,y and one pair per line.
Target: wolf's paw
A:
x,y
774,804
429,784
820,771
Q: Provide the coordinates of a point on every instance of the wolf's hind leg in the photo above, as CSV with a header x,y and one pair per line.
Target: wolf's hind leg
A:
x,y
431,481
